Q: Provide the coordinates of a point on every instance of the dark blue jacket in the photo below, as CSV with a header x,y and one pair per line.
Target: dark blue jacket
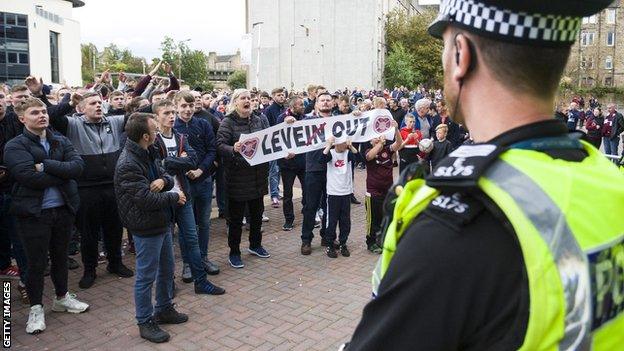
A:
x,y
201,138
272,113
314,158
61,167
299,161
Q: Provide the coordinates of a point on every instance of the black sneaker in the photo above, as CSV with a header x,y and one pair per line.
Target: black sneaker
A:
x,y
210,268
120,270
207,288
72,264
354,200
170,316
151,331
87,280
288,226
306,249
325,243
374,248
344,251
331,252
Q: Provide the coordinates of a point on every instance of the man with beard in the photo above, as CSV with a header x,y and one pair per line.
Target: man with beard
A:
x,y
315,182
489,252
397,113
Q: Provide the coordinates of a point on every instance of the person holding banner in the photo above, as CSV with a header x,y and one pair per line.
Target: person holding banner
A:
x,y
246,184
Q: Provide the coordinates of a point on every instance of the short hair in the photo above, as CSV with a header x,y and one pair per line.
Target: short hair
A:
x,y
323,93
293,100
115,93
22,106
137,125
378,100
344,98
88,95
409,116
442,126
206,93
320,87
277,91
536,70
264,94
183,95
156,92
134,104
422,103
18,87
311,88
157,106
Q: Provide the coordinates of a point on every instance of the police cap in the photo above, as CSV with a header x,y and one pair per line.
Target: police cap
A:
x,y
530,22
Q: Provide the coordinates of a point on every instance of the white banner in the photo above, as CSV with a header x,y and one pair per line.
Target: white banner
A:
x,y
307,135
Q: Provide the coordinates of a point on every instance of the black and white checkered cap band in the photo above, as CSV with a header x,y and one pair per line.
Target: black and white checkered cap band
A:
x,y
504,23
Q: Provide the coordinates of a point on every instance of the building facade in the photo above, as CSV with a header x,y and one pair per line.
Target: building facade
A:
x,y
39,38
597,58
335,43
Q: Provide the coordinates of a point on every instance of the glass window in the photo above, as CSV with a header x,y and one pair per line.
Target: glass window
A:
x,y
1,18
23,58
22,20
12,57
54,56
10,19
608,81
611,38
609,62
2,57
611,15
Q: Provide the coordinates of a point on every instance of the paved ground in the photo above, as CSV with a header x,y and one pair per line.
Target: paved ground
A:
x,y
286,302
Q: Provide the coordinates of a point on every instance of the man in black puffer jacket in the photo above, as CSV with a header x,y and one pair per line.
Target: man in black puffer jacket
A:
x,y
45,200
246,184
146,209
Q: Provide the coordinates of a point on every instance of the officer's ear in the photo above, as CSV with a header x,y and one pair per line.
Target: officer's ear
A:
x,y
464,57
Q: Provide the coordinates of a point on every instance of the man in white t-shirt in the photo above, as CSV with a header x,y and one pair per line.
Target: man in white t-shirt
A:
x,y
339,190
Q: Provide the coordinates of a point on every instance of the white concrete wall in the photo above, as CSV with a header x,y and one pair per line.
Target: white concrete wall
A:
x,y
39,38
343,44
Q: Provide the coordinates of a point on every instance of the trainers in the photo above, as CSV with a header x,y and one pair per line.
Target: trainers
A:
x,y
101,257
131,248
21,288
265,218
344,251
207,288
11,272
121,270
210,268
288,226
306,249
187,276
259,251
354,200
331,252
169,315
151,331
325,243
236,261
275,202
69,303
87,280
36,320
374,248
72,264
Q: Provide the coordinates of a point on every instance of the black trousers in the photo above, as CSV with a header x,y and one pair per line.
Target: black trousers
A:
x,y
374,217
48,233
98,214
338,214
315,190
236,210
288,180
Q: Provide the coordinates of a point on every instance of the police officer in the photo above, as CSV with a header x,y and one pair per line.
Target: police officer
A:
x,y
515,242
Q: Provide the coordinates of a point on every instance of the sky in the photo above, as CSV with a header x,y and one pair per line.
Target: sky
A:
x,y
141,25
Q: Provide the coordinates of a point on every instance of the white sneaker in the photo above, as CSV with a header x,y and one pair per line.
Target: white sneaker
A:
x,y
70,304
36,320
265,218
244,220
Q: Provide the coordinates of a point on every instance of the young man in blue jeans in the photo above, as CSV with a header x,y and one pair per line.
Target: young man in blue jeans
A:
x,y
177,157
146,210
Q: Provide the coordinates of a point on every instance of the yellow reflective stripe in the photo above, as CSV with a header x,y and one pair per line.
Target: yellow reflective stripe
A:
x,y
571,262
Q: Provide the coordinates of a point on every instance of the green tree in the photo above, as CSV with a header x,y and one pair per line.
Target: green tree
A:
x,y
400,69
90,61
238,80
411,33
194,70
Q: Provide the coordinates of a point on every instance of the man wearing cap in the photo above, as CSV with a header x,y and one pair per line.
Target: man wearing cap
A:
x,y
490,251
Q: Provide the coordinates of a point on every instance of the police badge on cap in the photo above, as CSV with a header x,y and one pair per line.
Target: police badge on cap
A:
x,y
530,22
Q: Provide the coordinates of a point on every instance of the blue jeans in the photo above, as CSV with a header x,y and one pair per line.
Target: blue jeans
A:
x,y
274,178
10,243
202,202
611,145
154,262
189,244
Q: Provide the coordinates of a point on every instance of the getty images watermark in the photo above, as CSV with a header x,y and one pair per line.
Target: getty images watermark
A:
x,y
6,314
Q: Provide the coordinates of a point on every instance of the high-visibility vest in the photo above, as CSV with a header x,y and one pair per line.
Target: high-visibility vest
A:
x,y
569,220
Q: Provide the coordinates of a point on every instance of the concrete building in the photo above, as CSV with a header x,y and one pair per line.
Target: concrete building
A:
x,y
39,38
224,62
597,58
336,43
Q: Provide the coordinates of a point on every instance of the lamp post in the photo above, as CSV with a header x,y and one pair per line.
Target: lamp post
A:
x,y
258,57
180,66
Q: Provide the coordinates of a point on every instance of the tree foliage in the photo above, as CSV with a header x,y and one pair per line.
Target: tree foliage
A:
x,y
194,62
238,80
111,57
412,53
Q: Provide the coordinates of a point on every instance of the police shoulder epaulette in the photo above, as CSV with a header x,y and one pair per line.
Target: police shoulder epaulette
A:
x,y
462,168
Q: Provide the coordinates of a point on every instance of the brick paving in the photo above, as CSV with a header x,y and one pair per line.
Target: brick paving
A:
x,y
286,302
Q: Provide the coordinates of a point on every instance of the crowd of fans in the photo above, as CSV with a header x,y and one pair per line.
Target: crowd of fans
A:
x,y
81,164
